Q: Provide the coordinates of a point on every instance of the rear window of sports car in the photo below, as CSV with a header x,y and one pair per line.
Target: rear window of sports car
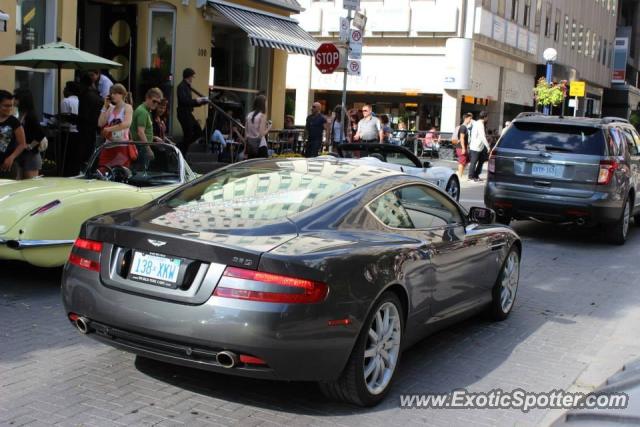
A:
x,y
242,197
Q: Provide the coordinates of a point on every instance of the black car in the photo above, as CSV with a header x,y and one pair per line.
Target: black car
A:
x,y
293,269
567,170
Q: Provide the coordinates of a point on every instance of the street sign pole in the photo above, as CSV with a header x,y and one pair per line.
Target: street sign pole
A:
x,y
344,87
575,108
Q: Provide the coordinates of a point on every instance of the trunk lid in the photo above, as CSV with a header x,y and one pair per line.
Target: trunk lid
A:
x,y
21,198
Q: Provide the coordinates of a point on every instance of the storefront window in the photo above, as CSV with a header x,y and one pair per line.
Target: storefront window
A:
x,y
161,43
240,70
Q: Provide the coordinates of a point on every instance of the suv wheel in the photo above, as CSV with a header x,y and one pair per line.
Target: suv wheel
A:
x,y
619,230
374,360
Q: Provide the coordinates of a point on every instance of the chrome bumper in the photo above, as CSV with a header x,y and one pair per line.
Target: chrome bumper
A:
x,y
27,244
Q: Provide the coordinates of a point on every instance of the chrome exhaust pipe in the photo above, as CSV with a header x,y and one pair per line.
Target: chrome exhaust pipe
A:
x,y
82,325
500,212
581,221
227,359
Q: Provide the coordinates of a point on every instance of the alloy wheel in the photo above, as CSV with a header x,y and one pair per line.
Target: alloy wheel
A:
x,y
382,348
509,285
625,220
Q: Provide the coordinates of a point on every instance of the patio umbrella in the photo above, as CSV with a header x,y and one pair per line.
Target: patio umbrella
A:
x,y
58,56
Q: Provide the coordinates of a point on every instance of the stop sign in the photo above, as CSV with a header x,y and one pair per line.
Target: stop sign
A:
x,y
327,58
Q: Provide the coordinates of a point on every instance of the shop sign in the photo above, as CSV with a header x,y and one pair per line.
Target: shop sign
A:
x,y
578,89
620,53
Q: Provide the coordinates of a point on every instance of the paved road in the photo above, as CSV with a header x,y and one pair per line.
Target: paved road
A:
x,y
573,326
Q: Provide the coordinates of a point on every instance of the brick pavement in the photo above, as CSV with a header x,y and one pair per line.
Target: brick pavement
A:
x,y
570,329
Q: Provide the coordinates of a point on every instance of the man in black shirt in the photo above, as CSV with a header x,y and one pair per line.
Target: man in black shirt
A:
x,y
314,130
186,103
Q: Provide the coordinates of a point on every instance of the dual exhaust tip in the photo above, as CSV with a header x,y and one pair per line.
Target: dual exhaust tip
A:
x,y
226,359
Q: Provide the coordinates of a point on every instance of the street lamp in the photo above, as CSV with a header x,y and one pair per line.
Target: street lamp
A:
x,y
550,55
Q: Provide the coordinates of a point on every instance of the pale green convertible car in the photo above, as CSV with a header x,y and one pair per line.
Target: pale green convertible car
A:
x,y
40,218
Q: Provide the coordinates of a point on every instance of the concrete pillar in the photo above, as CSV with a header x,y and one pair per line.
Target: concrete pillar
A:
x,y
450,110
496,108
278,88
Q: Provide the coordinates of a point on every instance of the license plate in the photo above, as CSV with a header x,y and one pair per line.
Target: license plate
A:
x,y
547,170
155,269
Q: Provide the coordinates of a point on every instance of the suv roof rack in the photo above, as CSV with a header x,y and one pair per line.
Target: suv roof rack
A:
x,y
606,120
528,114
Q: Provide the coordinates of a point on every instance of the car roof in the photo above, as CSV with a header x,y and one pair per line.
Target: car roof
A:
x,y
569,121
343,170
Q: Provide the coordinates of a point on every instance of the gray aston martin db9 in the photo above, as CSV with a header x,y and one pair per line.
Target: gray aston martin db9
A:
x,y
314,270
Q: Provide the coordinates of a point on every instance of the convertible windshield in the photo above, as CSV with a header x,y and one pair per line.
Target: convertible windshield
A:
x,y
138,164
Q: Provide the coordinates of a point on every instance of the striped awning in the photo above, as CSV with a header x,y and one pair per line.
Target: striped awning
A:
x,y
268,30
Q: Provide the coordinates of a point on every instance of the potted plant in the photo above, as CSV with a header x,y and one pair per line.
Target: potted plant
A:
x,y
549,94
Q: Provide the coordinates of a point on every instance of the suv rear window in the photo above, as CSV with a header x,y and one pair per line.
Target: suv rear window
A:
x,y
550,137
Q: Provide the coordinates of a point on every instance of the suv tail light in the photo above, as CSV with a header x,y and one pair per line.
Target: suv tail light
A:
x,y
607,169
492,162
82,262
264,287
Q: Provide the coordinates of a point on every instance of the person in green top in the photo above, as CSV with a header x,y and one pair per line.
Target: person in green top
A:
x,y
142,123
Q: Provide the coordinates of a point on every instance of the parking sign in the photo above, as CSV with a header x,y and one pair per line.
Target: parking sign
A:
x,y
351,4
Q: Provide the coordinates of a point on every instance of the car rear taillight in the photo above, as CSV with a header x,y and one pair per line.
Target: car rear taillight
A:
x,y
82,262
261,286
47,207
607,169
492,162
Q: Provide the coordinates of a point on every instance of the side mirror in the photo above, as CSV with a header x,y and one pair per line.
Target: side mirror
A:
x,y
482,215
426,164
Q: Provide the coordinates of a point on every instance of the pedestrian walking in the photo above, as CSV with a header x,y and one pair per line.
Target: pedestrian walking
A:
x,y
257,128
30,160
369,128
101,82
69,108
478,146
354,118
191,130
314,130
337,134
12,138
461,140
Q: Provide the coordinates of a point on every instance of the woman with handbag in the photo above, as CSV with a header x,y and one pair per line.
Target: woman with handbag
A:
x,y
30,161
257,128
115,120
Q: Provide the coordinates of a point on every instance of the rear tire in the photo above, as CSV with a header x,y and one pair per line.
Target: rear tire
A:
x,y
380,357
506,287
618,231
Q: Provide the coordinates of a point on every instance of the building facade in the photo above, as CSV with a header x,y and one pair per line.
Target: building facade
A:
x,y
406,56
624,95
156,40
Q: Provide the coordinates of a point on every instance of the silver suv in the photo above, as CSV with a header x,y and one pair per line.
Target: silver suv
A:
x,y
567,170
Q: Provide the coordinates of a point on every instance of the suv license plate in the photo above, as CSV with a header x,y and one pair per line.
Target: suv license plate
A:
x,y
154,269
547,170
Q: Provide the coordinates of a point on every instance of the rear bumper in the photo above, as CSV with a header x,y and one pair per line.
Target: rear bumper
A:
x,y
601,207
294,340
